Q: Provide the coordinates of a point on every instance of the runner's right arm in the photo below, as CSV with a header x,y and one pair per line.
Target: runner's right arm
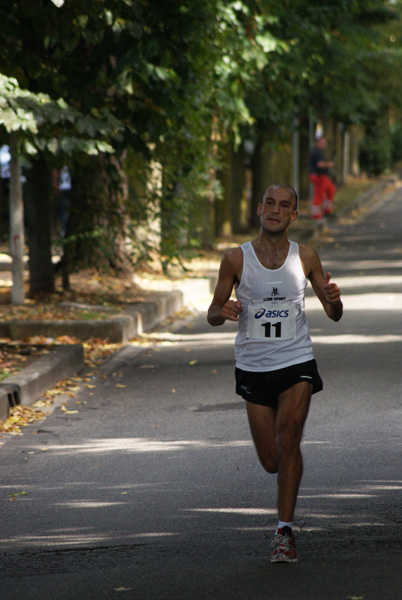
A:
x,y
222,308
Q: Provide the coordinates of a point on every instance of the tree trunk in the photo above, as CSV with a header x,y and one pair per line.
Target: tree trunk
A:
x,y
208,220
346,156
223,224
296,156
38,221
16,225
259,167
97,225
356,134
304,183
272,163
237,189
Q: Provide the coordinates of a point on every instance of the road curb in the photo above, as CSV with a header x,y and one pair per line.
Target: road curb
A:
x,y
26,386
139,317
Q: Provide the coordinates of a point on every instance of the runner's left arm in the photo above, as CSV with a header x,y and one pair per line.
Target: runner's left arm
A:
x,y
326,291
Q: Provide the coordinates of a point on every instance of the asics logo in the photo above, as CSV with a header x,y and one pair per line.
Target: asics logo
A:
x,y
271,314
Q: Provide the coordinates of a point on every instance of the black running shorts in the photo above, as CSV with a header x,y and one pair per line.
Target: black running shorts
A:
x,y
265,387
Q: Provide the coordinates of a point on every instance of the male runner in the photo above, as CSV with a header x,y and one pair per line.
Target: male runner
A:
x,y
275,368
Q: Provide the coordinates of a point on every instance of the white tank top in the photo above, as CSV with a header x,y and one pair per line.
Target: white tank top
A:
x,y
273,330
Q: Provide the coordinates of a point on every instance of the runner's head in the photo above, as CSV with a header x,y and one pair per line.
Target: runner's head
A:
x,y
285,186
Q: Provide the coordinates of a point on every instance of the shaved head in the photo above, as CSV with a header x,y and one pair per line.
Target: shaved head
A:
x,y
275,186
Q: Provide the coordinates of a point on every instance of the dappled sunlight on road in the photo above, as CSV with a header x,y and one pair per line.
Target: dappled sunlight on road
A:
x,y
366,265
356,280
380,301
235,511
355,339
362,489
88,504
167,338
372,301
140,445
382,292
340,496
83,537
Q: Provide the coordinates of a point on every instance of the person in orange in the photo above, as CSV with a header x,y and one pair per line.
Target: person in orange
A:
x,y
324,189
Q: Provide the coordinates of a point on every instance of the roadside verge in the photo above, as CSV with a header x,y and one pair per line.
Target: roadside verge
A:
x,y
65,360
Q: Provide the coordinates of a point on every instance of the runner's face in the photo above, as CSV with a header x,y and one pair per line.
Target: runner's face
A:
x,y
277,210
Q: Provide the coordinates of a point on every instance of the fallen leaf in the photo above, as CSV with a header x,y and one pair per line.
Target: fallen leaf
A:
x,y
68,412
192,362
14,494
41,403
120,385
20,416
54,392
356,597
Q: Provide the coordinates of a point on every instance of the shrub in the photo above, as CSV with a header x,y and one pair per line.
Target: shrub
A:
x,y
375,155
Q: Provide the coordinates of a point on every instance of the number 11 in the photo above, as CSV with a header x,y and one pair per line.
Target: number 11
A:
x,y
276,326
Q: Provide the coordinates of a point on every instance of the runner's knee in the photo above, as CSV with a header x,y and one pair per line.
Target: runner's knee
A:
x,y
269,464
288,440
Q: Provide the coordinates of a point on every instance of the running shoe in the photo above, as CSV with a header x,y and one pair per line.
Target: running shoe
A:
x,y
284,546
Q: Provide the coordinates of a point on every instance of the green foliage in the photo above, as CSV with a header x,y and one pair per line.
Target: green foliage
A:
x,y
53,126
168,82
375,154
184,200
396,142
321,70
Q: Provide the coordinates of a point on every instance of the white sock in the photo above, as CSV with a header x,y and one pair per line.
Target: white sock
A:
x,y
282,524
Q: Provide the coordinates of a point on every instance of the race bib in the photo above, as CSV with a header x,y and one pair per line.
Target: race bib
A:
x,y
271,323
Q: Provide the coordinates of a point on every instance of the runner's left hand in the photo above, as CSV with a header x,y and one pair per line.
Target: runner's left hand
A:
x,y
332,292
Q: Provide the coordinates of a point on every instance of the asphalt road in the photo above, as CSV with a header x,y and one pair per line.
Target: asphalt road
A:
x,y
152,490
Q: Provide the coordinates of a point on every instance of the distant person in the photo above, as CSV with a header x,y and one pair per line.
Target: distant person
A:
x,y
324,189
5,159
275,368
65,198
4,185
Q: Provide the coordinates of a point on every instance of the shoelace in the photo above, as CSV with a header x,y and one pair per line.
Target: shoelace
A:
x,y
282,540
